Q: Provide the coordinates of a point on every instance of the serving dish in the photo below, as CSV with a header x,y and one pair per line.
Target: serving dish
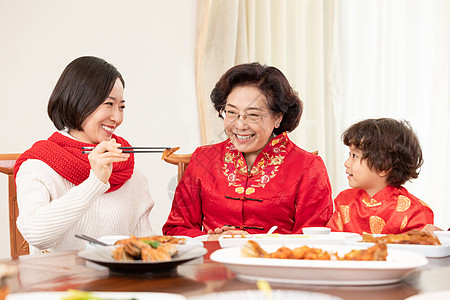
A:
x,y
226,241
321,272
260,295
102,256
431,251
111,239
105,295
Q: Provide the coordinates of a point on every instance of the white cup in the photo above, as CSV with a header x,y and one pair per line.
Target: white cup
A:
x,y
316,230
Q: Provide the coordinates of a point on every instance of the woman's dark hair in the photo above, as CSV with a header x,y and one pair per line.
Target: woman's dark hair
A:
x,y
84,84
281,97
388,145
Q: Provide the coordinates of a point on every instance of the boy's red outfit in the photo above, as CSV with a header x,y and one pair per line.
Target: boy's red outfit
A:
x,y
390,211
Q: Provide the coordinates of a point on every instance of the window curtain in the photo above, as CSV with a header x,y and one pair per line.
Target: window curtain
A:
x,y
394,61
348,60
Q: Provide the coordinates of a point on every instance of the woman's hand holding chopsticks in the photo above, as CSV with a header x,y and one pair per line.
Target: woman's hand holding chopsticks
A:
x,y
103,156
87,150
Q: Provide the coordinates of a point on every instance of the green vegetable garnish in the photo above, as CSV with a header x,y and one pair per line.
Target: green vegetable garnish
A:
x,y
154,244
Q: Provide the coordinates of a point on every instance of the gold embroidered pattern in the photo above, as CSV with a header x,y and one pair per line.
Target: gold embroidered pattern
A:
x,y
404,223
403,203
239,190
263,170
370,203
249,191
376,224
339,224
345,213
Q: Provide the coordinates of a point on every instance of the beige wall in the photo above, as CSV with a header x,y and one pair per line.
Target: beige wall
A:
x,y
151,42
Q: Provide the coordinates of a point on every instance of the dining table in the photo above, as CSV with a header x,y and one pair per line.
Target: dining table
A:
x,y
61,271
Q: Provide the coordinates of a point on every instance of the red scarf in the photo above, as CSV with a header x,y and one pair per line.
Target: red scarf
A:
x,y
64,155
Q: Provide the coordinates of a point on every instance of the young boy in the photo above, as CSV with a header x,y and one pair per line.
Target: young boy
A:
x,y
384,154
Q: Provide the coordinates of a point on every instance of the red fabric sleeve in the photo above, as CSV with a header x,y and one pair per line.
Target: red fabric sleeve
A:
x,y
314,204
185,217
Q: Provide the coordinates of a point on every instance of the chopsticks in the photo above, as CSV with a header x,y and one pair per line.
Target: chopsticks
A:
x,y
87,150
90,239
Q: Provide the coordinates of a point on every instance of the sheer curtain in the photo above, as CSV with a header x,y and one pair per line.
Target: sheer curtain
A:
x,y
349,60
394,61
293,36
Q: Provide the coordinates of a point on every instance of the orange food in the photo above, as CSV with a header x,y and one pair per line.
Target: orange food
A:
x,y
168,152
150,248
416,237
253,249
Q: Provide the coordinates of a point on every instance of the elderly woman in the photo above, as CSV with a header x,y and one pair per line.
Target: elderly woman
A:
x,y
257,178
61,191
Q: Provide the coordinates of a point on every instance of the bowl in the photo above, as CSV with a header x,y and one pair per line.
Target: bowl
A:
x,y
316,230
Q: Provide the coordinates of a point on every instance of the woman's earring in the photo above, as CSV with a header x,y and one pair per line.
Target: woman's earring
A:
x,y
277,125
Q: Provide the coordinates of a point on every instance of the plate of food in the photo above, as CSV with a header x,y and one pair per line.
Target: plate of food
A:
x,y
75,294
112,239
418,241
226,241
261,295
319,264
155,254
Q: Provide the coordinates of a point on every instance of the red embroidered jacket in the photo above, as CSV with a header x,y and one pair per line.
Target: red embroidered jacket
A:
x,y
390,211
287,186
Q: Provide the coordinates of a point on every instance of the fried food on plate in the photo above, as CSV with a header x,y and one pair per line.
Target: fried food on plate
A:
x,y
252,249
415,237
150,248
377,252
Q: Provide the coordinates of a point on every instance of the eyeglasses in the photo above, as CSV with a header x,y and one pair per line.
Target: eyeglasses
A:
x,y
232,115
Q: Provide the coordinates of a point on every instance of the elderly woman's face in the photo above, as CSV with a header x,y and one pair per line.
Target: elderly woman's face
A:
x,y
249,137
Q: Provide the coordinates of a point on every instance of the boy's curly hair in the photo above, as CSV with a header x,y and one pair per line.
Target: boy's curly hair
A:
x,y
388,145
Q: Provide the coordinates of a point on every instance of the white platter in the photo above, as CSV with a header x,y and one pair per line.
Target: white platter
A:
x,y
260,295
443,236
111,239
106,295
440,295
426,250
226,241
323,272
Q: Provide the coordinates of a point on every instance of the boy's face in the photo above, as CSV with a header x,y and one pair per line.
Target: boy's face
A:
x,y
361,176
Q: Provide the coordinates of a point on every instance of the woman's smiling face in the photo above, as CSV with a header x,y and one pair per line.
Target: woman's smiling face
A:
x,y
100,125
249,138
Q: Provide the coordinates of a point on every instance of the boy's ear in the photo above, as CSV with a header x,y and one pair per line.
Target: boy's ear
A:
x,y
383,173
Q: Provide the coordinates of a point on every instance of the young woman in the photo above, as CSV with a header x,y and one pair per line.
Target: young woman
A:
x,y
60,190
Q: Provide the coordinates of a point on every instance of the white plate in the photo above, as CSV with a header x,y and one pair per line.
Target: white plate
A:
x,y
259,295
441,295
103,256
109,295
111,239
285,239
426,250
443,236
327,272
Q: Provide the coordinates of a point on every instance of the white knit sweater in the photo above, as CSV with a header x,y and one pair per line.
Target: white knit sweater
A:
x,y
52,209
